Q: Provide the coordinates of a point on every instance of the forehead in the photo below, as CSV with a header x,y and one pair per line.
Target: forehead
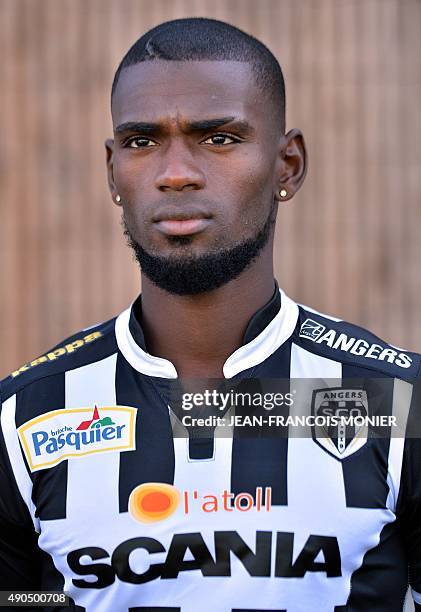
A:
x,y
160,89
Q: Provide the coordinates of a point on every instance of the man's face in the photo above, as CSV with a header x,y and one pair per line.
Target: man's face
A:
x,y
197,178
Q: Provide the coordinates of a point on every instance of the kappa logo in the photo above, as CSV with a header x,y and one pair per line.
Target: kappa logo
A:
x,y
314,331
67,433
68,349
343,415
311,329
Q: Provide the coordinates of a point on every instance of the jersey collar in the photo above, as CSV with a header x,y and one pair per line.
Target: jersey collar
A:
x,y
266,331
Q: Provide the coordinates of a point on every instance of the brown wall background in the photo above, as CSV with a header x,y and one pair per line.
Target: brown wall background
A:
x,y
349,242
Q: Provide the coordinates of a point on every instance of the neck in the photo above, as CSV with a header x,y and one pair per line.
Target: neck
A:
x,y
198,333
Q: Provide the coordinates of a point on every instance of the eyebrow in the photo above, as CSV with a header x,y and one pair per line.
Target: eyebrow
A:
x,y
193,126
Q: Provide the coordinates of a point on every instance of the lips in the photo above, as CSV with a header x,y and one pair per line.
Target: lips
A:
x,y
171,227
181,222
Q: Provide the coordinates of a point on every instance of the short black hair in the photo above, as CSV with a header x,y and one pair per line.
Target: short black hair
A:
x,y
200,38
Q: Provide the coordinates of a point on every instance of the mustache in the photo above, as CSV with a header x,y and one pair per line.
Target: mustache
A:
x,y
134,245
181,208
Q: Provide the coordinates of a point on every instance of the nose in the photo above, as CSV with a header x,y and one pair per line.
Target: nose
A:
x,y
179,170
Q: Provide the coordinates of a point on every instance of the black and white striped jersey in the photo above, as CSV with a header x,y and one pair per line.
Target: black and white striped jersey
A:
x,y
100,498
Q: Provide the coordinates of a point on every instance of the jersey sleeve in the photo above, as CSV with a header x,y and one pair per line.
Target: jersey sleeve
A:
x,y
20,556
409,502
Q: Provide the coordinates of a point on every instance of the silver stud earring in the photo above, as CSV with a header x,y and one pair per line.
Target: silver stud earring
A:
x,y
283,193
117,198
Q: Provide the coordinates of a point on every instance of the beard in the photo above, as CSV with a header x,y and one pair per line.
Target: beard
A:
x,y
195,274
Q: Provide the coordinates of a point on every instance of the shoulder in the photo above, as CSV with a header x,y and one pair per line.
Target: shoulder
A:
x,y
86,346
351,344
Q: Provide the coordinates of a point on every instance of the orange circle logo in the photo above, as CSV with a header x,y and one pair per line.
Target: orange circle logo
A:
x,y
153,501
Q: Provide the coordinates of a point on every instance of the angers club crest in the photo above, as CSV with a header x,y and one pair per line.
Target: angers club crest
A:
x,y
340,425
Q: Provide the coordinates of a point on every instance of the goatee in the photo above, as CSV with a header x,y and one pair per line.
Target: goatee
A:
x,y
191,275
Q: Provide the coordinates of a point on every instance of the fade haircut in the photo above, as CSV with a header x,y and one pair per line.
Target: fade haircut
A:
x,y
199,38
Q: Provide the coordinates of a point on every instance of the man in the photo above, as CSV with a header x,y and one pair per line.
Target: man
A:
x,y
101,496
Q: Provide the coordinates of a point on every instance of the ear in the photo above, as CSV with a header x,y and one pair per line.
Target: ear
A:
x,y
292,165
109,152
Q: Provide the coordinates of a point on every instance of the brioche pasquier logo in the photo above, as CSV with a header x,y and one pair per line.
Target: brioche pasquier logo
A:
x,y
75,432
95,421
156,501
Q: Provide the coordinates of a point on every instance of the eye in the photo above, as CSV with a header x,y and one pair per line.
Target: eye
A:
x,y
220,139
141,142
